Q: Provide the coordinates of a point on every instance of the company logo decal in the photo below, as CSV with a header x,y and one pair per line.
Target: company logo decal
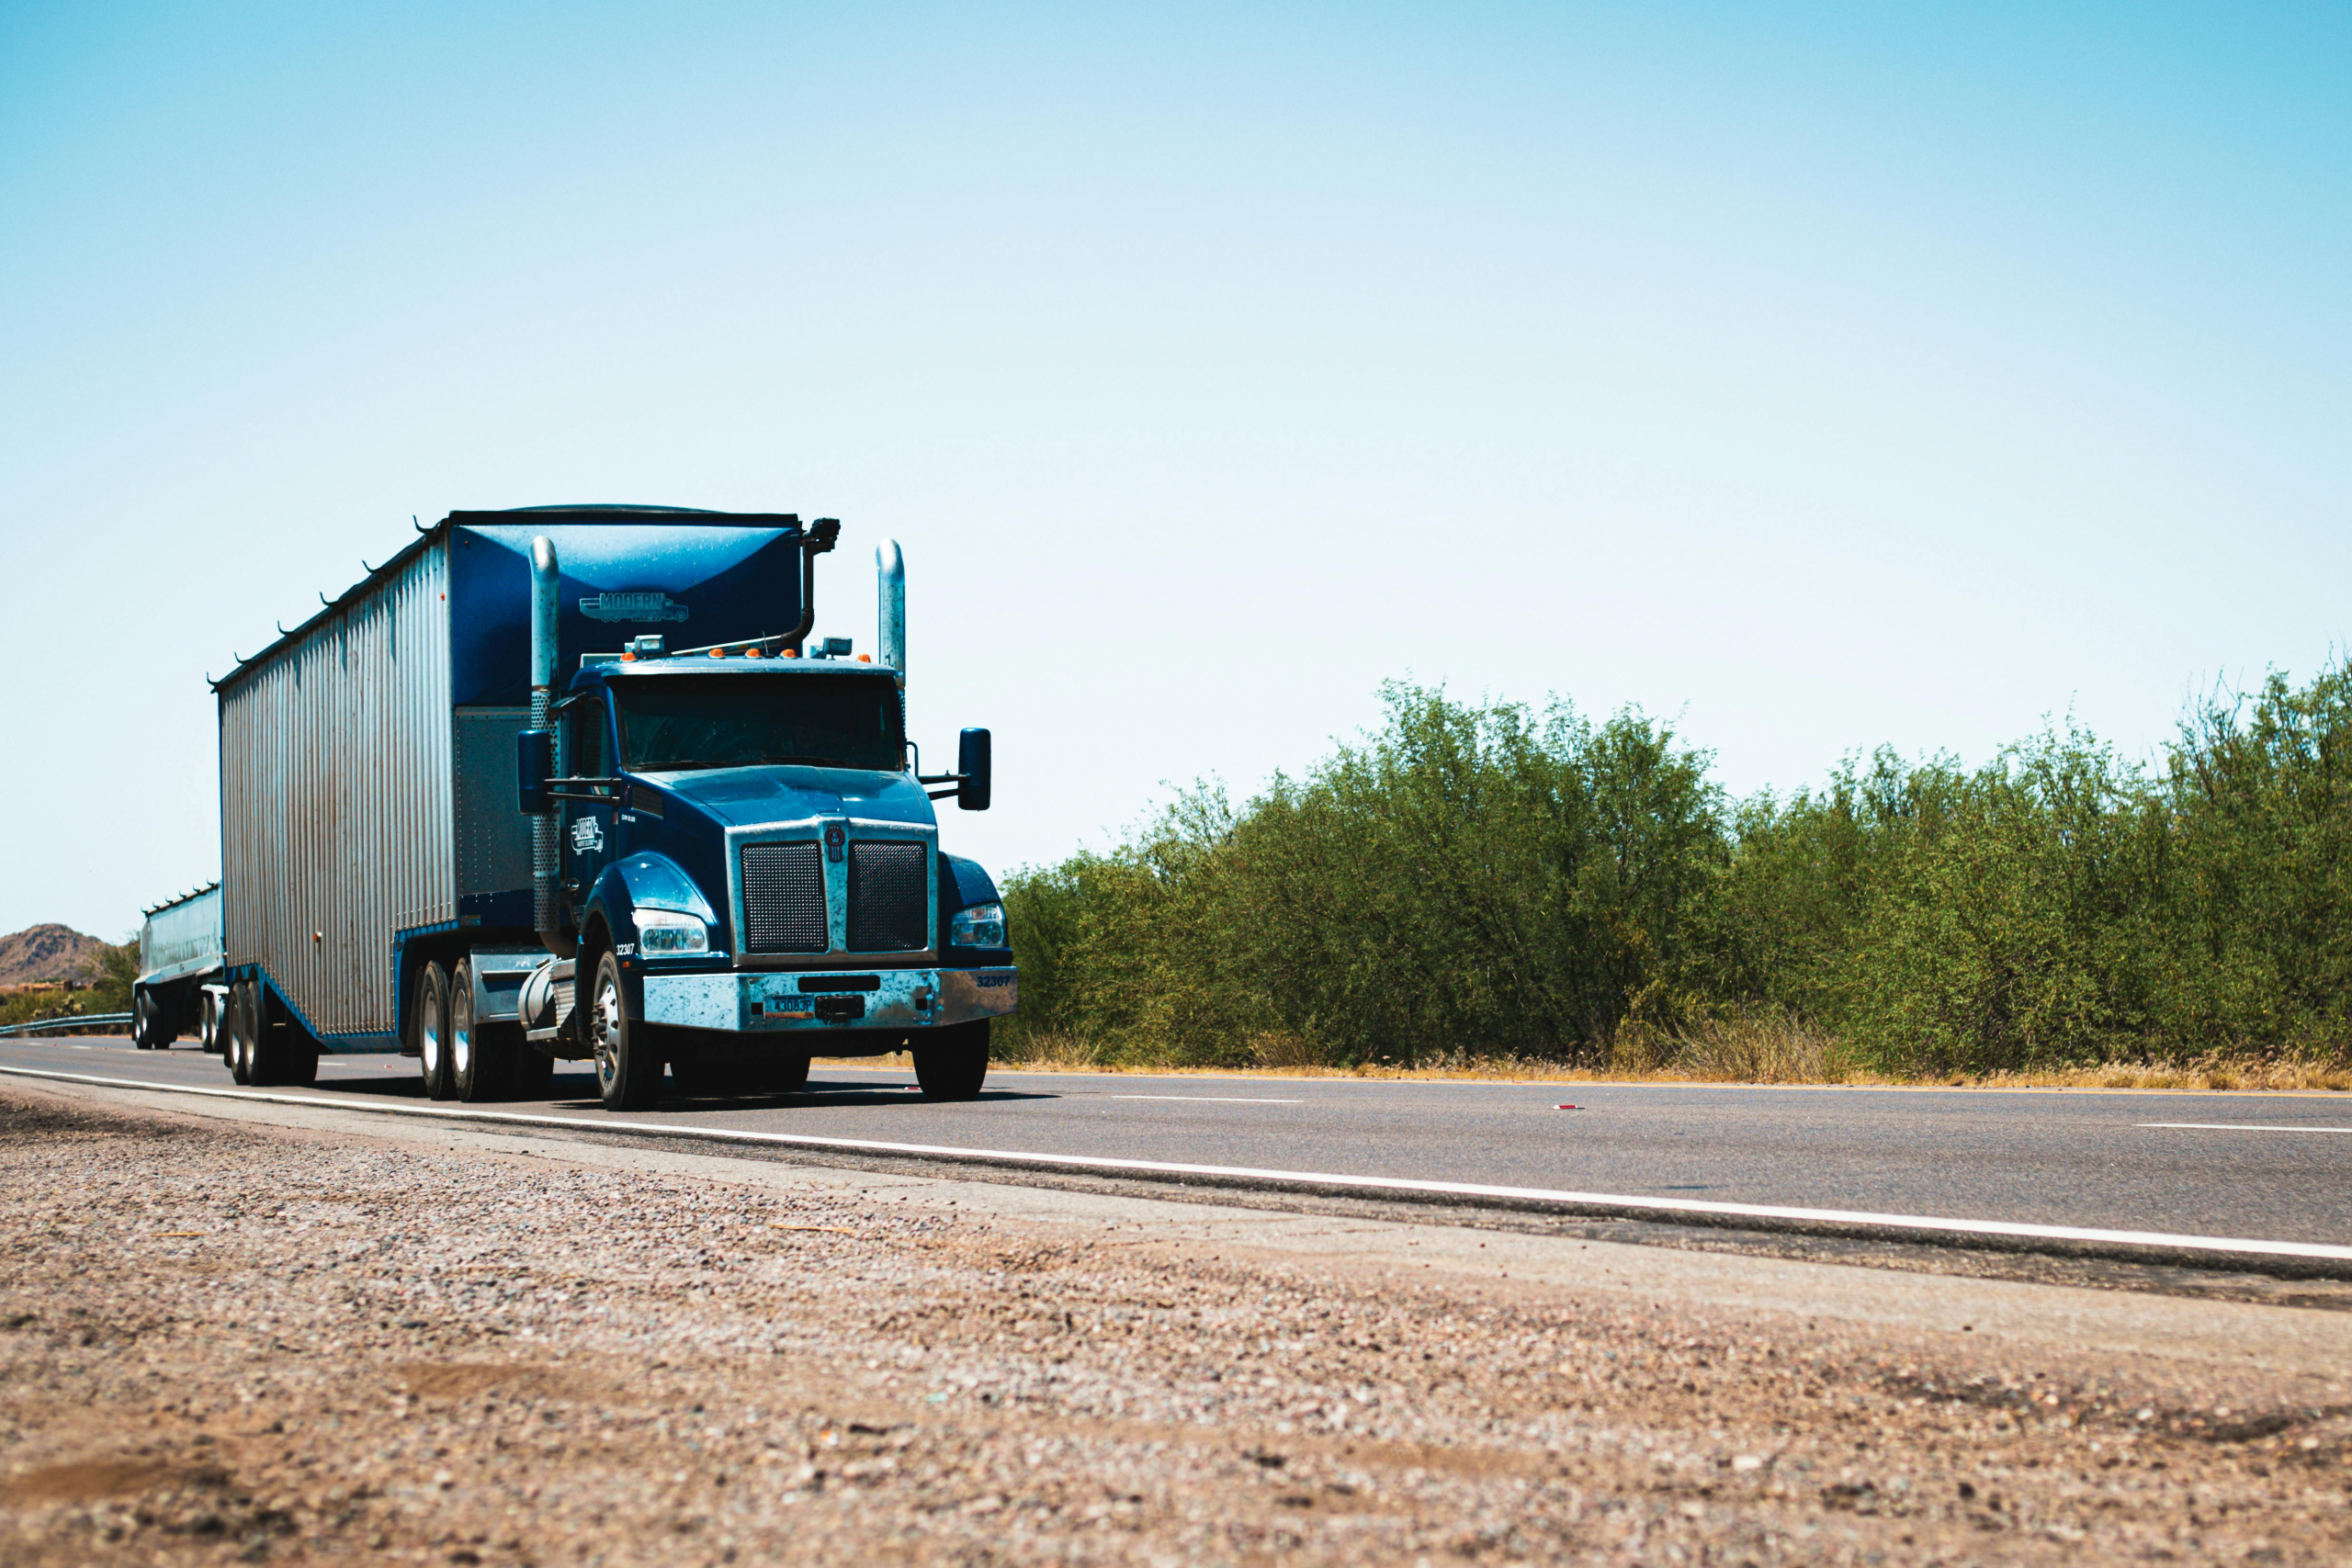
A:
x,y
587,836
638,604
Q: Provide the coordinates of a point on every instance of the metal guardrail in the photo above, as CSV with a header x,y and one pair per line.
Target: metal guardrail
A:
x,y
71,1020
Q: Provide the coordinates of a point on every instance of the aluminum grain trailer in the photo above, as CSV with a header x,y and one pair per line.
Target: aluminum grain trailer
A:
x,y
180,989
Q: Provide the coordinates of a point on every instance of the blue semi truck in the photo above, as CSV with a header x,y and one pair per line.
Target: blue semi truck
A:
x,y
579,782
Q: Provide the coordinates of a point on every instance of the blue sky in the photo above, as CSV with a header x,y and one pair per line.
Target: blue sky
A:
x,y
1819,377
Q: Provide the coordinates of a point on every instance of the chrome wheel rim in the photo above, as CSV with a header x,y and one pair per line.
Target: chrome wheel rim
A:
x,y
608,1033
462,1039
428,1036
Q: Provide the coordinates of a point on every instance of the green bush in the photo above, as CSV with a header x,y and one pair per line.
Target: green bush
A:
x,y
1490,880
106,988
110,975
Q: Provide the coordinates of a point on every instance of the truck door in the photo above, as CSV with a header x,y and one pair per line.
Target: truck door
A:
x,y
588,825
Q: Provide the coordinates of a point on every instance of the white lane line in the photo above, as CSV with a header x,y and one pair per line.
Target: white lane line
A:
x,y
2242,1127
1209,1099
1855,1217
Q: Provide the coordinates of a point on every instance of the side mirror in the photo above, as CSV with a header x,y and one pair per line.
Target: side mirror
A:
x,y
534,766
972,763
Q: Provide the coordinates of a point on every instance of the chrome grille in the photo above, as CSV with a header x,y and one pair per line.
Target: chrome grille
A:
x,y
889,904
783,900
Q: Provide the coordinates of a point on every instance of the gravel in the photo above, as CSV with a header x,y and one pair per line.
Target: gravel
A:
x,y
246,1344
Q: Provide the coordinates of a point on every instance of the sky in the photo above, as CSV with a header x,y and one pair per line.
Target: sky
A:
x,y
1812,377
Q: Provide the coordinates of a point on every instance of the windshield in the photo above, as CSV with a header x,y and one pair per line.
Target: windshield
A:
x,y
732,721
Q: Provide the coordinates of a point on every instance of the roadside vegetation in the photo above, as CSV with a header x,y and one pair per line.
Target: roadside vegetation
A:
x,y
104,988
1491,886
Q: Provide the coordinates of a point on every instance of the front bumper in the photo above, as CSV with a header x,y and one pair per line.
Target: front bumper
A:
x,y
771,1003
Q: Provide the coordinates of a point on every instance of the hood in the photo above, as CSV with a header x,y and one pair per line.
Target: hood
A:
x,y
745,797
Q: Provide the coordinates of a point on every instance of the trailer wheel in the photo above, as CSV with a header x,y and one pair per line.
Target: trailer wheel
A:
x,y
209,1020
628,1062
954,1062
240,1053
429,1014
275,1047
142,1021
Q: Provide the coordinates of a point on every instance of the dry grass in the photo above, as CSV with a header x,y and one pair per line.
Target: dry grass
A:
x,y
1770,1048
2207,1072
1761,1049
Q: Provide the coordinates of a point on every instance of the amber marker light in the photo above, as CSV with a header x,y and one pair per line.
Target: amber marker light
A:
x,y
718,653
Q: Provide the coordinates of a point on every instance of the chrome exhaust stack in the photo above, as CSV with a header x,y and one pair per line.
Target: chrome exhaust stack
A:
x,y
890,607
547,907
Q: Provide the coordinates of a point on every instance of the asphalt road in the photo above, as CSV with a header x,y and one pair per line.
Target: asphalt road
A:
x,y
2273,1168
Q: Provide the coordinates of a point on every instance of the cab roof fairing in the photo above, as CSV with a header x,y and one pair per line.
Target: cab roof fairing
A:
x,y
525,521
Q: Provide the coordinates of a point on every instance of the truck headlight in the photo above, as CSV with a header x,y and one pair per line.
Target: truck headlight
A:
x,y
665,931
982,925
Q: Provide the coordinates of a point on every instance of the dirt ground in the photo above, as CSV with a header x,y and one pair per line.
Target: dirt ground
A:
x,y
233,1344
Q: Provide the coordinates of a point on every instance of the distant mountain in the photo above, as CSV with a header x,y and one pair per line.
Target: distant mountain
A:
x,y
47,953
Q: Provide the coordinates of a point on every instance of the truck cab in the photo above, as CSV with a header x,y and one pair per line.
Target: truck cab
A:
x,y
750,873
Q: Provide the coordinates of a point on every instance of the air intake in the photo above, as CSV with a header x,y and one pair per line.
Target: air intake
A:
x,y
889,904
784,899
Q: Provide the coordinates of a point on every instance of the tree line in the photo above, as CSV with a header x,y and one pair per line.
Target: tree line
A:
x,y
1495,879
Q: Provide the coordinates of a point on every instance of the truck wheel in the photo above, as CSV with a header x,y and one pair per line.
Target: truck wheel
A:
x,y
629,1063
534,1072
429,1015
208,1024
954,1062
142,1021
271,1049
240,1053
481,1055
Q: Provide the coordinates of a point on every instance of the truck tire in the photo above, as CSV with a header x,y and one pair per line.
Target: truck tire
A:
x,y
142,1021
209,1016
481,1055
953,1062
628,1059
534,1072
240,1053
429,1021
274,1050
